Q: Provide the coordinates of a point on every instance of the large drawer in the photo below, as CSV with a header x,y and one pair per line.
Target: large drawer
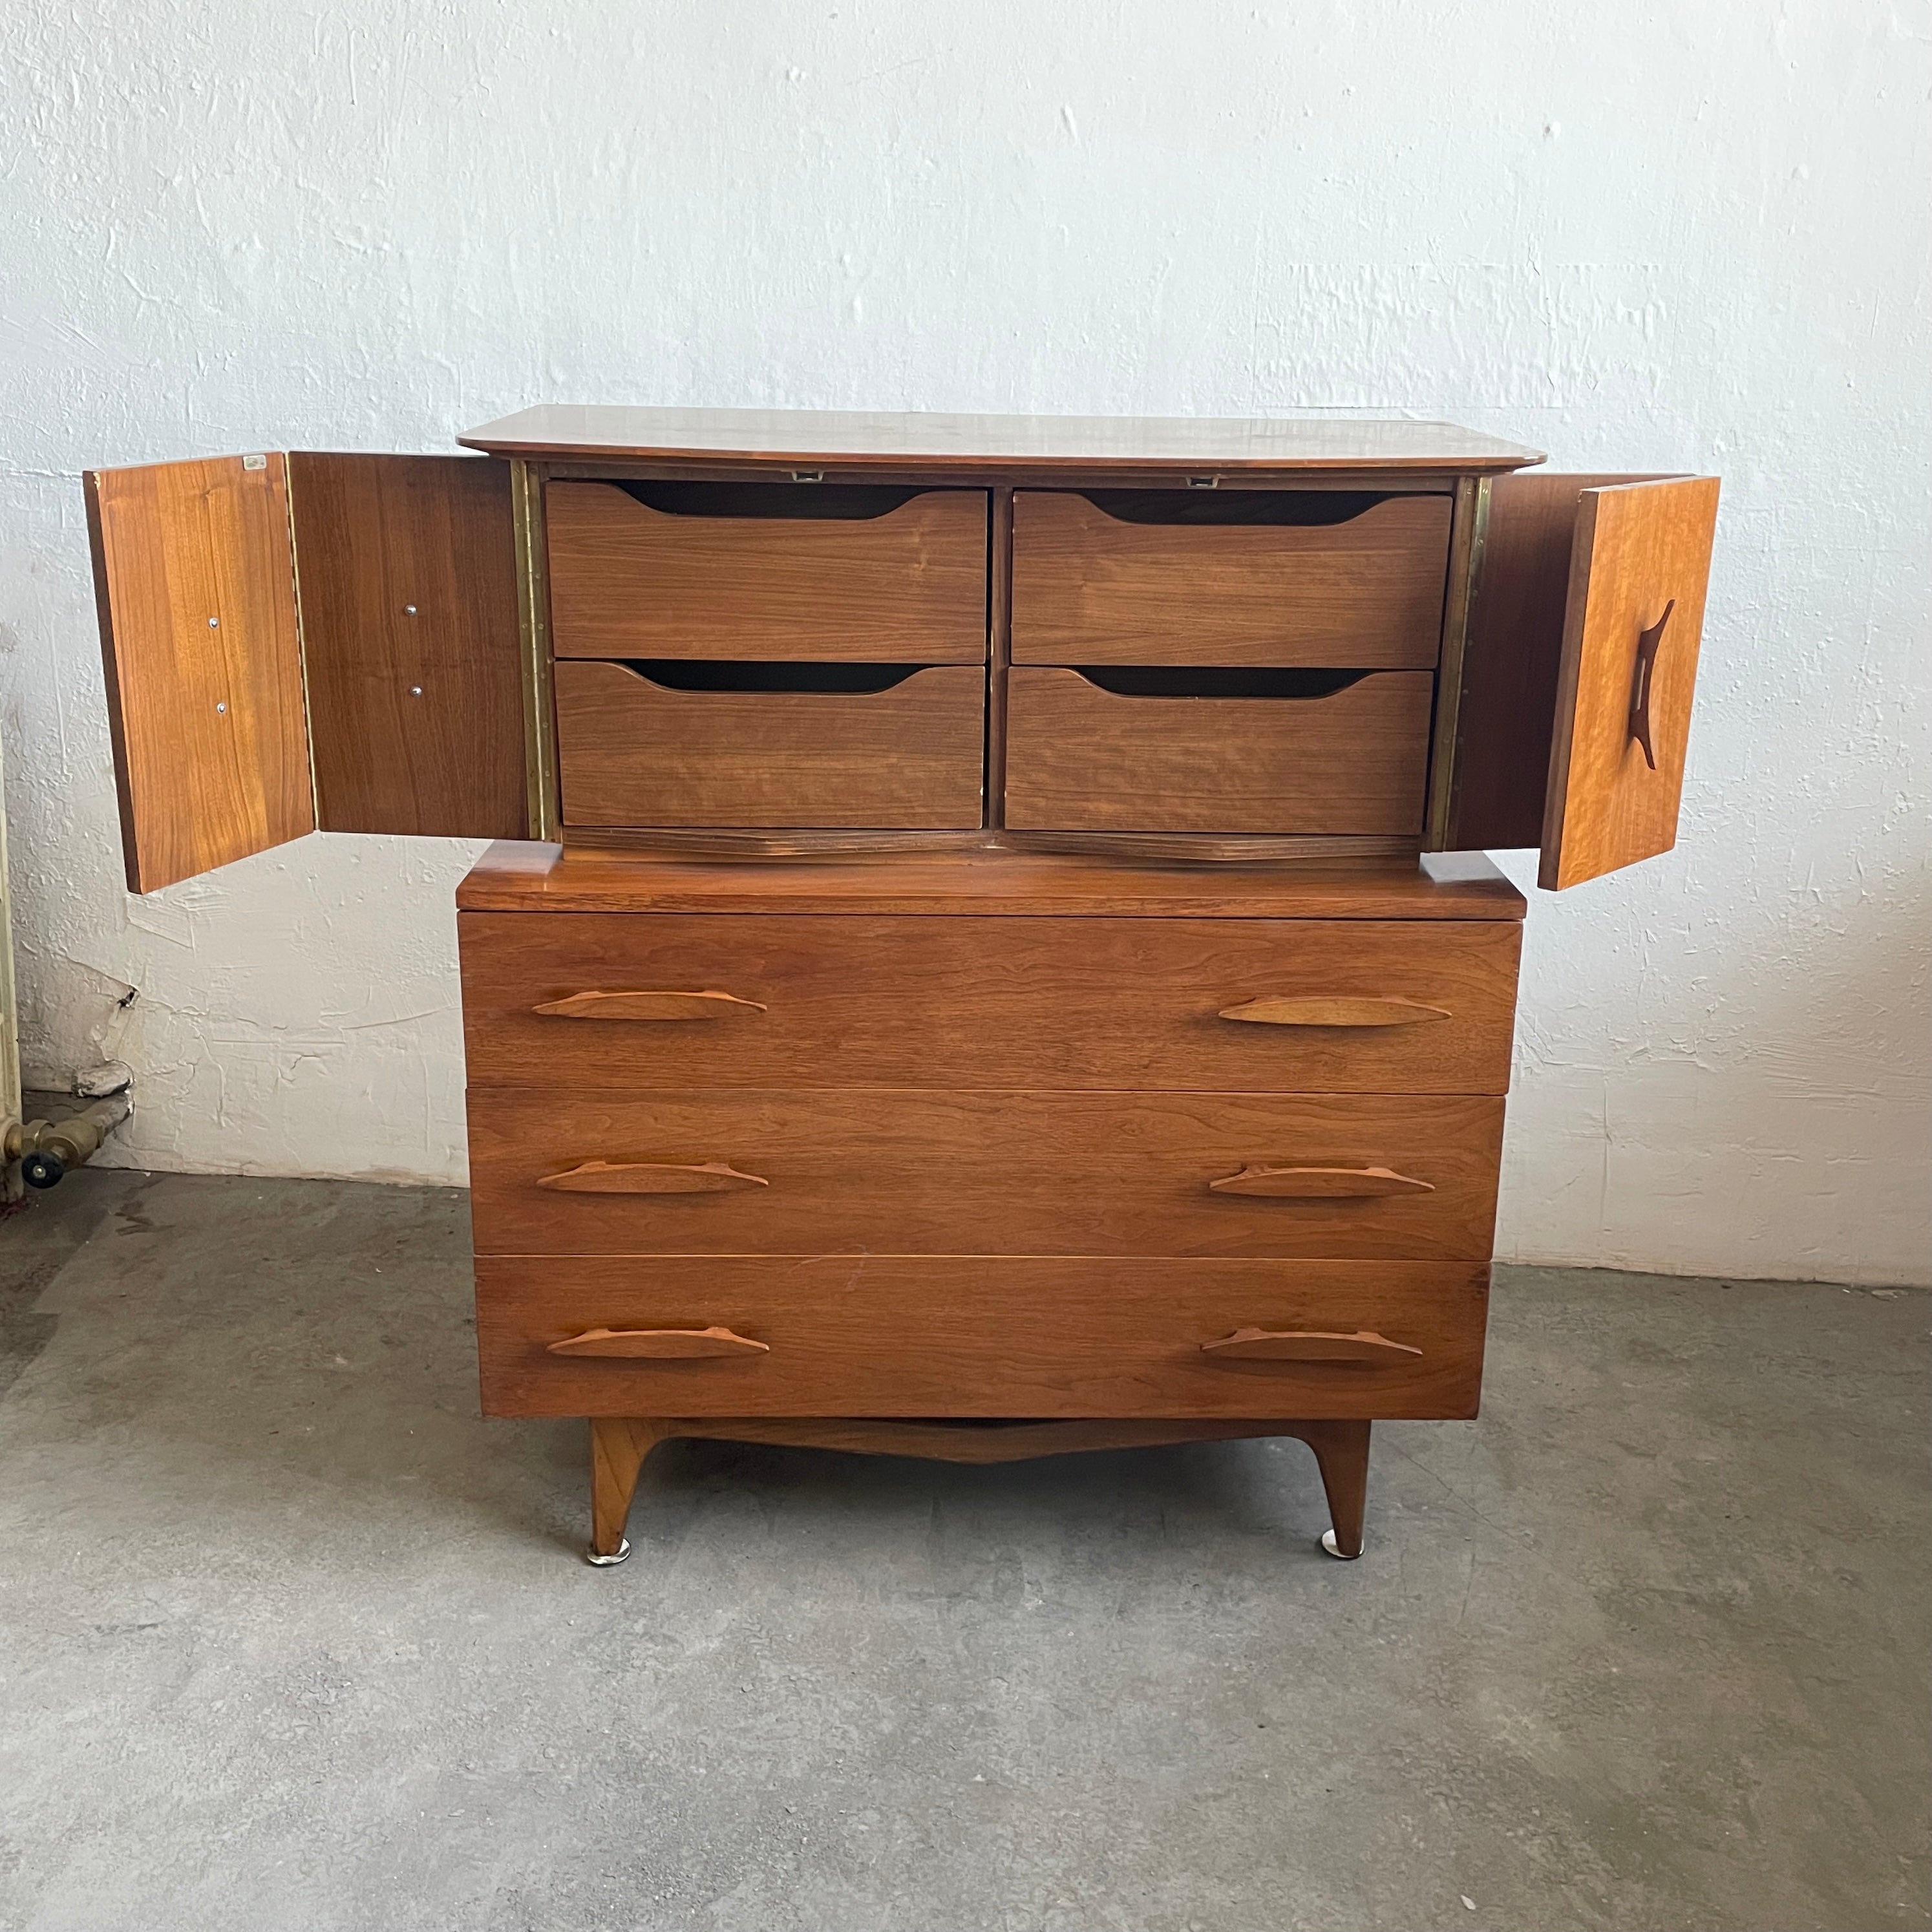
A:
x,y
1080,757
965,1335
766,570
906,751
1349,1006
1175,577
747,1173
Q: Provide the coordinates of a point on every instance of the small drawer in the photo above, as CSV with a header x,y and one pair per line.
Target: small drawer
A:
x,y
1319,577
1337,1177
968,1335
767,570
1111,752
836,746
658,1001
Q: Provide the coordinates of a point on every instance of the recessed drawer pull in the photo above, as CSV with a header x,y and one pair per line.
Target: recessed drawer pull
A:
x,y
651,1177
708,1005
1271,1345
660,1344
1319,1184
1329,1010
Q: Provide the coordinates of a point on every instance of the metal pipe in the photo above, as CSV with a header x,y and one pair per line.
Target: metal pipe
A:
x,y
46,1149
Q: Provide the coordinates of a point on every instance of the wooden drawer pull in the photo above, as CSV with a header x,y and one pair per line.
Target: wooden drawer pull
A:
x,y
660,1344
1294,1345
1319,1184
651,1177
1328,1010
709,1005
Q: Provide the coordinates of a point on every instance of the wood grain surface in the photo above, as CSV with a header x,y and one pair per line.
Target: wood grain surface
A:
x,y
976,1002
1091,588
920,1172
1642,549
1512,660
194,586
1079,758
406,567
991,446
627,580
633,752
1020,1336
532,878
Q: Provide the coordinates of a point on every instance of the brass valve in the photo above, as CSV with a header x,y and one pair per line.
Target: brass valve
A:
x,y
46,1149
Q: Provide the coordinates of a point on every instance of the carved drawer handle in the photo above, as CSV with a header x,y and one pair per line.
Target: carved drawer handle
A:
x,y
709,1005
651,1177
1323,1009
1319,1184
1308,1344
660,1344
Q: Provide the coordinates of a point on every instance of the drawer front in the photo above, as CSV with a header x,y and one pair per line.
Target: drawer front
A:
x,y
965,1335
1338,1006
633,751
1091,586
630,581
1080,757
1368,1176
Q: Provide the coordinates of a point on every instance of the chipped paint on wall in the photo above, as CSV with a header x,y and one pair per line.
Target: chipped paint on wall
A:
x,y
1636,236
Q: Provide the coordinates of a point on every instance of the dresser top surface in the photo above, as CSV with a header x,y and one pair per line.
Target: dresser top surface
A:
x,y
1129,445
516,877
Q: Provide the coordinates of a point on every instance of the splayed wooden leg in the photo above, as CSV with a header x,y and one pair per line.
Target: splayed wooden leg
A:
x,y
619,1444
1342,1454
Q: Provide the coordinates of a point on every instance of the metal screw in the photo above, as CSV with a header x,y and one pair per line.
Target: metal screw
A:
x,y
223,706
416,691
408,610
214,623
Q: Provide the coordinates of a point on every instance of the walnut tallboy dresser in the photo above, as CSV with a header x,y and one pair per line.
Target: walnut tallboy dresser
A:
x,y
991,954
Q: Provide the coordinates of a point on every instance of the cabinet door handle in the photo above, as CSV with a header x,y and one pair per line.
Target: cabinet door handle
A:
x,y
1319,1184
651,1177
1308,1344
708,1005
1647,643
1334,1009
660,1344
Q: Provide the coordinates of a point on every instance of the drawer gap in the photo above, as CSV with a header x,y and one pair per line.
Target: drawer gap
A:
x,y
802,676
1218,680
813,502
1306,508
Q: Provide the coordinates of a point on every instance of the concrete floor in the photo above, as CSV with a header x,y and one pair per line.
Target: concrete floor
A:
x,y
289,1639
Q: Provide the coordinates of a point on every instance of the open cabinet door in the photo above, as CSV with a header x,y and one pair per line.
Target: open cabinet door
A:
x,y
308,640
406,570
1574,699
196,598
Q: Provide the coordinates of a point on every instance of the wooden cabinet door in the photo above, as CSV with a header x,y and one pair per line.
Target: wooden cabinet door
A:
x,y
196,592
405,569
1574,700
306,640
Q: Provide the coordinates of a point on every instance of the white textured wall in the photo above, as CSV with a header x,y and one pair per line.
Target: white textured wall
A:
x,y
1634,235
